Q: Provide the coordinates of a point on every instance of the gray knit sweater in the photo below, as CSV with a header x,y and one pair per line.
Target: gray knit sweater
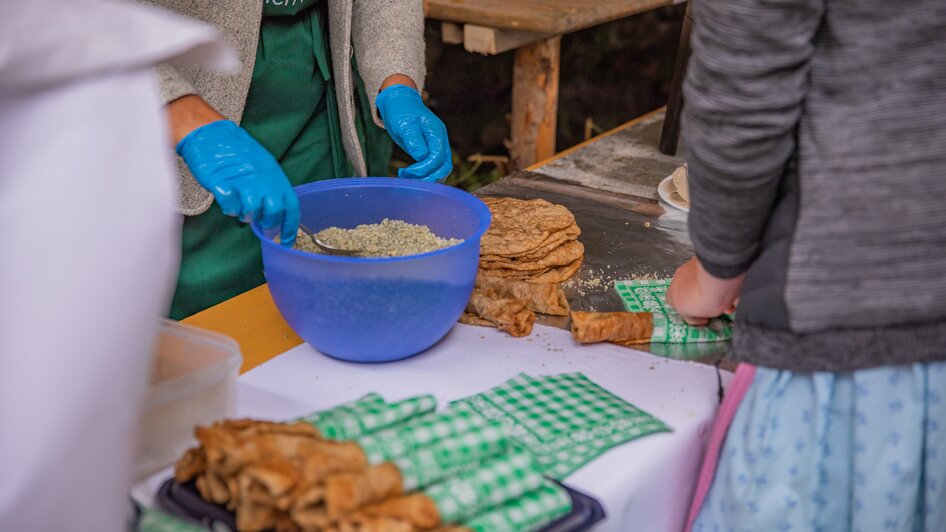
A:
x,y
816,133
386,36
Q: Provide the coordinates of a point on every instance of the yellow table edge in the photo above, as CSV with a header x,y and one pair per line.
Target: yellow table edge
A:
x,y
252,319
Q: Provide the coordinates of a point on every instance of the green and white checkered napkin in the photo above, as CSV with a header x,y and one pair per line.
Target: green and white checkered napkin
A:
x,y
152,520
463,462
495,483
451,455
530,512
367,415
470,458
669,328
564,420
401,439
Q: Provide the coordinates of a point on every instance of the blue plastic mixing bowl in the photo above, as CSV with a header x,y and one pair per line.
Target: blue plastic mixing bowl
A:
x,y
377,309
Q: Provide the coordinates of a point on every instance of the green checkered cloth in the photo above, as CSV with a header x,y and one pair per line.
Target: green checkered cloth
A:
x,y
367,415
399,440
367,401
565,420
494,484
532,511
669,328
152,520
451,455
692,351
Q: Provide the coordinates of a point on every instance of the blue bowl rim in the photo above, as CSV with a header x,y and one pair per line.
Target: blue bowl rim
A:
x,y
368,182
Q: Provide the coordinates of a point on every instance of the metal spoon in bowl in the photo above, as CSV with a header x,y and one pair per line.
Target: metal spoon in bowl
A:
x,y
331,250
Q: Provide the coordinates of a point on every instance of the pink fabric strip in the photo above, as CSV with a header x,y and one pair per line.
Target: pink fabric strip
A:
x,y
727,411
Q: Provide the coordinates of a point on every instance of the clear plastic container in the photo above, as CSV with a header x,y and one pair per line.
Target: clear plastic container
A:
x,y
193,382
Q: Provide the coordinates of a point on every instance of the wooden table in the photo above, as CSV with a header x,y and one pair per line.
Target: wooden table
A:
x,y
534,29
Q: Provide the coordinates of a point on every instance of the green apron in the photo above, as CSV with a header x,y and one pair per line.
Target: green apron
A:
x,y
291,110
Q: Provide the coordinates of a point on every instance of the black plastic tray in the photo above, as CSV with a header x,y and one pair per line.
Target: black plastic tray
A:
x,y
183,500
586,513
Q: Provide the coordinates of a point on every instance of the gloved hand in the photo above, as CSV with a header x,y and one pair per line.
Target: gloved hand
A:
x,y
244,178
418,131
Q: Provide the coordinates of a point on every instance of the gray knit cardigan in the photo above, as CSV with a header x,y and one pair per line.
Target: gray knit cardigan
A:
x,y
386,36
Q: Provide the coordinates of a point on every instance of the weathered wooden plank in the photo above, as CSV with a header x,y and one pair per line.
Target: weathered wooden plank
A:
x,y
542,16
451,33
535,101
626,161
492,41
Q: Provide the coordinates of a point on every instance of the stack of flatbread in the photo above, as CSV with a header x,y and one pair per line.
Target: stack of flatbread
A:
x,y
530,249
530,240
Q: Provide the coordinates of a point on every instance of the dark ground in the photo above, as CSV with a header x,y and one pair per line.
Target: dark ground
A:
x,y
610,74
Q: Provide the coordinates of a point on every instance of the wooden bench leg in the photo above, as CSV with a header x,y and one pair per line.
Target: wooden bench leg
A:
x,y
534,102
670,135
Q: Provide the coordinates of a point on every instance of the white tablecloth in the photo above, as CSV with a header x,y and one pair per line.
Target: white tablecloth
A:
x,y
644,485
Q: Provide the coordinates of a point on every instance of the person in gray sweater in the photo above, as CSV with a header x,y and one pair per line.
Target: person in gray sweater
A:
x,y
321,81
816,137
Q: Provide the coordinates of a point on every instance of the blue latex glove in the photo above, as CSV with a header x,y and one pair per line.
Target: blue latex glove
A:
x,y
245,179
417,130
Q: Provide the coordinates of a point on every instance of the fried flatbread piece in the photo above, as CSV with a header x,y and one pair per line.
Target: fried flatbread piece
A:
x,y
514,316
558,274
222,446
544,298
311,495
375,524
347,492
553,241
284,523
243,428
562,255
213,488
473,319
192,464
332,458
311,518
625,328
276,477
417,509
256,517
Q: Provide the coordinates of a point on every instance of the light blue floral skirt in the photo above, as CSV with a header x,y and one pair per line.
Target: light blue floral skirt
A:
x,y
858,451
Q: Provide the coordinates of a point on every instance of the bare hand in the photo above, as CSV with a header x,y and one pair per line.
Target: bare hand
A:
x,y
188,113
698,296
397,79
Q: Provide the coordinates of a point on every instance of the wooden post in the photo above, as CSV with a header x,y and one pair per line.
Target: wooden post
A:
x,y
534,102
670,134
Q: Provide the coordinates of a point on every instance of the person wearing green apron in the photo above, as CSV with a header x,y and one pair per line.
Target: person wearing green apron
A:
x,y
290,134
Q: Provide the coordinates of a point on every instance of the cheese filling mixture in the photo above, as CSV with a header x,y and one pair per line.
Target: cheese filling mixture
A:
x,y
390,238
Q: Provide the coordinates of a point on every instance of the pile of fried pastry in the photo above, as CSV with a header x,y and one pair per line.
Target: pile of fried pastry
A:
x,y
530,249
288,478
